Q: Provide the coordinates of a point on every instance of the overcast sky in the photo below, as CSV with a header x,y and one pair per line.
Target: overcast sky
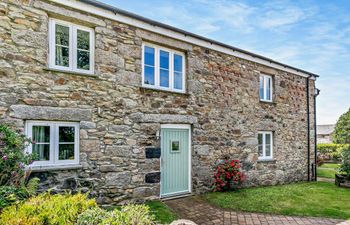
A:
x,y
309,34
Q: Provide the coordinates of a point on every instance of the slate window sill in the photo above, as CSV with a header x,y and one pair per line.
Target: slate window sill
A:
x,y
71,72
144,89
267,102
266,161
54,167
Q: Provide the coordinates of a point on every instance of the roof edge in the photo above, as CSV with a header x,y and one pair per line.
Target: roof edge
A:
x,y
154,24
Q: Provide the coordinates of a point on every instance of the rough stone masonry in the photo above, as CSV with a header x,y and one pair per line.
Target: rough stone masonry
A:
x,y
119,119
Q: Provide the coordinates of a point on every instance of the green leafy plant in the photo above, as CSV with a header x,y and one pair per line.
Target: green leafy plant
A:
x,y
127,215
13,158
94,216
342,129
228,175
345,166
329,152
10,194
47,209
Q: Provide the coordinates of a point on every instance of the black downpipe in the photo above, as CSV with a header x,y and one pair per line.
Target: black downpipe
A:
x,y
308,125
317,92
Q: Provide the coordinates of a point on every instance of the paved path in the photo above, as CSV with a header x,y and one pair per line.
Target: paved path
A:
x,y
200,212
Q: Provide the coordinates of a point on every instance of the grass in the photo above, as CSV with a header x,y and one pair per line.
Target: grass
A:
x,y
162,213
319,199
327,170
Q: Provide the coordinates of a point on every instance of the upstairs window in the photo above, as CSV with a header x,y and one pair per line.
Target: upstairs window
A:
x,y
265,145
71,47
265,88
54,143
163,68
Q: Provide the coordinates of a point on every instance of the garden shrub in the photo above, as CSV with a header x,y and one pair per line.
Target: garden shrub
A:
x,y
128,215
47,209
11,194
330,151
94,216
228,175
345,165
13,158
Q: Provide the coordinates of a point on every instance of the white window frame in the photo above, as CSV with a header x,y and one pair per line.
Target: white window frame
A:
x,y
156,85
54,142
72,47
264,97
264,157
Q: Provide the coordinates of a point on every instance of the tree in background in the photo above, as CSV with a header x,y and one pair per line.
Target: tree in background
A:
x,y
342,129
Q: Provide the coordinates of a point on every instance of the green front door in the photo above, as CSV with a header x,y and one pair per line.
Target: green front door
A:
x,y
175,160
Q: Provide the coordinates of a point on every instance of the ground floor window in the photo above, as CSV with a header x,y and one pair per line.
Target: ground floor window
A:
x,y
54,143
265,144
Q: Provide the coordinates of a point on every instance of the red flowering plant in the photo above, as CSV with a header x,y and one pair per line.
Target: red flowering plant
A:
x,y
228,175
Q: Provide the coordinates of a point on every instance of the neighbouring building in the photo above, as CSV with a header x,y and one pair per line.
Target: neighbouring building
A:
x,y
325,133
131,109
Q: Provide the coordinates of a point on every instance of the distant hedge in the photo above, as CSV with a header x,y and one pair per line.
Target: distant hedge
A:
x,y
330,151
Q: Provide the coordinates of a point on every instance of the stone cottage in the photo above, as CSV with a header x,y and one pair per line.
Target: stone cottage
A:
x,y
325,133
130,108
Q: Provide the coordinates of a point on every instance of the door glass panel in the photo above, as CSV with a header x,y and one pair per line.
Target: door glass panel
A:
x,y
175,146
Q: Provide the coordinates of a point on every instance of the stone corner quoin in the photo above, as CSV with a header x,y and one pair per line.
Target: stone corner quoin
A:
x,y
120,123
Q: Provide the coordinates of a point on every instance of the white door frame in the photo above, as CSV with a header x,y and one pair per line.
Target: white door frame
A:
x,y
185,127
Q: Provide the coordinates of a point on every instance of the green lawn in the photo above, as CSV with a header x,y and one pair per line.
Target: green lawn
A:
x,y
327,170
162,213
320,199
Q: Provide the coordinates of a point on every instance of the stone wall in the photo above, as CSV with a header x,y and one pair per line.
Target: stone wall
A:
x,y
119,119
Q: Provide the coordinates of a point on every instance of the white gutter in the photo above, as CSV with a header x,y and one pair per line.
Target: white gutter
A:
x,y
176,35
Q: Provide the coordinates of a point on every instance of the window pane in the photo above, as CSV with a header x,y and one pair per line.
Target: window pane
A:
x,y
83,61
149,56
164,78
178,63
260,150
62,35
261,87
178,80
62,56
66,152
260,139
41,152
268,88
83,40
41,134
149,75
66,134
164,59
268,150
268,139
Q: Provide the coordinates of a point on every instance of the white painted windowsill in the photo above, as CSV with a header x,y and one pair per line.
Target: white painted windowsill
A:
x,y
54,167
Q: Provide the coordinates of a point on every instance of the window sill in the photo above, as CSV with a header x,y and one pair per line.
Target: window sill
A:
x,y
71,72
266,161
143,88
54,167
267,102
